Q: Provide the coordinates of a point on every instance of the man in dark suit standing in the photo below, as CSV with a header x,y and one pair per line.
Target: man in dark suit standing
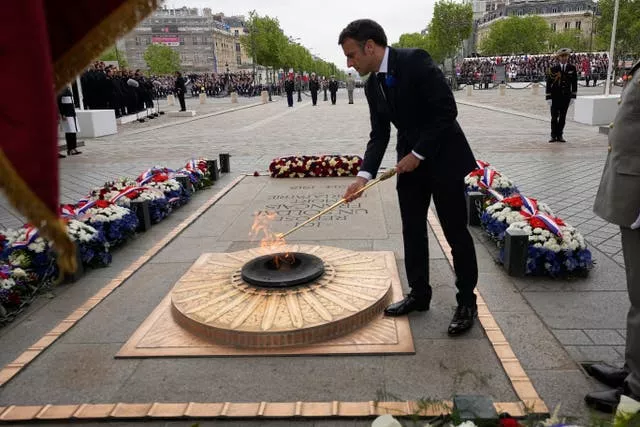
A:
x,y
561,91
289,87
333,89
407,88
180,88
314,87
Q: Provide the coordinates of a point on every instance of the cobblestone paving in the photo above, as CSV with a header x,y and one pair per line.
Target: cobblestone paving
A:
x,y
510,132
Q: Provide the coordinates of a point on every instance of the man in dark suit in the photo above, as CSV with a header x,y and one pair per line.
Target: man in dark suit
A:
x,y
333,89
407,88
314,87
180,88
289,87
561,91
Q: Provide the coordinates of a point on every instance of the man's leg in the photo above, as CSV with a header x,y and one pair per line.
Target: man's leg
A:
x,y
448,197
350,97
555,112
607,400
562,118
414,196
631,253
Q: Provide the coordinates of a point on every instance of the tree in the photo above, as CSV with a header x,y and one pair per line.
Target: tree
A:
x,y
113,54
452,23
265,41
628,29
514,34
573,39
162,59
414,40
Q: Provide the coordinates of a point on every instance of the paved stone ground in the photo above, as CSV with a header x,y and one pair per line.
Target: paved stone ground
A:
x,y
550,323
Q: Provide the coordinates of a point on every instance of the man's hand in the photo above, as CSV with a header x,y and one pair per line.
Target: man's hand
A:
x,y
350,195
549,102
407,163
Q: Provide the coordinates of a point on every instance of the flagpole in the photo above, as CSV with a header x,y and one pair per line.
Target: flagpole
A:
x,y
607,87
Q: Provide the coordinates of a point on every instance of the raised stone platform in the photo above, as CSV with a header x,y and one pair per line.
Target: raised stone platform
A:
x,y
133,117
188,113
324,316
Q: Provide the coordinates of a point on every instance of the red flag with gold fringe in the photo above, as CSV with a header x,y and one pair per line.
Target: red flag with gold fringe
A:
x,y
57,39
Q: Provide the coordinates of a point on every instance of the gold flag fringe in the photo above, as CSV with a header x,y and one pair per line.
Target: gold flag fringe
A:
x,y
100,38
48,223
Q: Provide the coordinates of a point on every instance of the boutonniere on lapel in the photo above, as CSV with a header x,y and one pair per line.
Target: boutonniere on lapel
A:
x,y
390,80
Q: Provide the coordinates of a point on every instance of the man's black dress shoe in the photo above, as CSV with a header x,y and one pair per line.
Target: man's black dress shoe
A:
x,y
407,305
462,320
553,139
605,401
561,139
61,156
608,375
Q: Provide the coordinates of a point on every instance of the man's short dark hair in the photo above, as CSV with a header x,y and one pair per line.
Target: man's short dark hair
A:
x,y
362,30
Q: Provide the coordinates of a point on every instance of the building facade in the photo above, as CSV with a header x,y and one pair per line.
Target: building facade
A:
x,y
561,15
206,42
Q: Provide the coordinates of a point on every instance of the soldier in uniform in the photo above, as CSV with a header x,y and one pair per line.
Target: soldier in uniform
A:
x,y
333,89
68,121
351,85
180,89
561,91
314,87
289,87
618,202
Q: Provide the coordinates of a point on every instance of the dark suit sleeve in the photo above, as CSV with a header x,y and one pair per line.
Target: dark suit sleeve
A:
x,y
440,105
380,132
574,83
547,90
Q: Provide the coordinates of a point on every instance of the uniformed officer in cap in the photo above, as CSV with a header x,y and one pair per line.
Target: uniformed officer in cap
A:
x,y
562,88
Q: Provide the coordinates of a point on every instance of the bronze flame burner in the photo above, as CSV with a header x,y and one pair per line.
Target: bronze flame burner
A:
x,y
282,270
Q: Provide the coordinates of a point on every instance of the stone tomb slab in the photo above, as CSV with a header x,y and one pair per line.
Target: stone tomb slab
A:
x,y
160,335
292,201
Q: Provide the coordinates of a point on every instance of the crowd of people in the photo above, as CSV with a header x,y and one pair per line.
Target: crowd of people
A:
x,y
529,68
124,91
129,92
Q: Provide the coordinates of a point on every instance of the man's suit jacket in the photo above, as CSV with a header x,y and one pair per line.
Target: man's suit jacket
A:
x,y
562,84
420,104
618,198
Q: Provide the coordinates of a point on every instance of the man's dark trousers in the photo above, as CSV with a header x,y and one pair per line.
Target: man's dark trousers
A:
x,y
183,106
559,107
415,190
290,99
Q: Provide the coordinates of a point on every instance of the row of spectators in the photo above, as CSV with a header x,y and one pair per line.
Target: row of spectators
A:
x,y
124,91
129,92
527,68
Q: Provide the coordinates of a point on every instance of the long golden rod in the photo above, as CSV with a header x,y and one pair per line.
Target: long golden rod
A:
x,y
386,175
